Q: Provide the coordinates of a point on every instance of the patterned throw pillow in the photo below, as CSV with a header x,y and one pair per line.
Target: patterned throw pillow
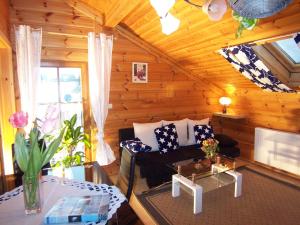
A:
x,y
203,132
167,138
135,145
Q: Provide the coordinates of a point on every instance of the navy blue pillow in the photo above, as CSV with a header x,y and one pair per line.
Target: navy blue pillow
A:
x,y
203,132
135,145
167,138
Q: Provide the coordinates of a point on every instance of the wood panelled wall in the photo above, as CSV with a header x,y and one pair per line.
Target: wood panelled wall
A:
x,y
4,16
169,94
278,111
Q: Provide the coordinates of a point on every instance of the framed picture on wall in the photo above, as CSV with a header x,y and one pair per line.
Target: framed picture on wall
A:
x,y
139,72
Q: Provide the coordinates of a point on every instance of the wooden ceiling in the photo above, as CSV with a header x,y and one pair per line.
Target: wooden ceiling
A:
x,y
195,44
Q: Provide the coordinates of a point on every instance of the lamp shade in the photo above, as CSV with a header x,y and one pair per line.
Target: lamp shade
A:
x,y
169,24
225,101
162,7
215,9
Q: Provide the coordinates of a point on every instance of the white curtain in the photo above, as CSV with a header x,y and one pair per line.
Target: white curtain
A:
x,y
28,53
99,64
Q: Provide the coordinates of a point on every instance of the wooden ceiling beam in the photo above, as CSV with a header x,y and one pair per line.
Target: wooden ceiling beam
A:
x,y
87,10
118,10
167,59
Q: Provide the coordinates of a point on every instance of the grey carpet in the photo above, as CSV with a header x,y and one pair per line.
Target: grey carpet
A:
x,y
264,201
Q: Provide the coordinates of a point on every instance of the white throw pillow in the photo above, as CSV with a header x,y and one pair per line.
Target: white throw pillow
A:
x,y
145,132
181,127
191,124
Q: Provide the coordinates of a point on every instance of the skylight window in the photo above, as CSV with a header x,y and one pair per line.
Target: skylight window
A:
x,y
290,49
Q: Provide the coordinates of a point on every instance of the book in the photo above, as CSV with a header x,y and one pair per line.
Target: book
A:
x,y
92,208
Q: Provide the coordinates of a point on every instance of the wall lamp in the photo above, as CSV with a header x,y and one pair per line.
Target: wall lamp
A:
x,y
225,102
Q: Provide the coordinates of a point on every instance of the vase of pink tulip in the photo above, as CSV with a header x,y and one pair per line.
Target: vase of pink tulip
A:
x,y
30,156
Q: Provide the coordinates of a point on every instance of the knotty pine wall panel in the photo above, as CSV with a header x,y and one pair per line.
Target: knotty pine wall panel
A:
x,y
168,94
280,111
4,17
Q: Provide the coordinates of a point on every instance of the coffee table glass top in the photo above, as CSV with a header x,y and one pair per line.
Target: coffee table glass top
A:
x,y
209,176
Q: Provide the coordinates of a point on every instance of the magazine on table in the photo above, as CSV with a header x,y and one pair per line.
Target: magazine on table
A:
x,y
74,209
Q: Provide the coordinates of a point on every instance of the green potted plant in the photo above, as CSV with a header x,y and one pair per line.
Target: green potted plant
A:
x,y
244,23
71,159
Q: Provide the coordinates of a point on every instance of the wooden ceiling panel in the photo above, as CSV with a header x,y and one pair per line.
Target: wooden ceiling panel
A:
x,y
195,44
100,5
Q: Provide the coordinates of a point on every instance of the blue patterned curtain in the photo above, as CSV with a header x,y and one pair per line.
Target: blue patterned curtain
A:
x,y
297,39
244,59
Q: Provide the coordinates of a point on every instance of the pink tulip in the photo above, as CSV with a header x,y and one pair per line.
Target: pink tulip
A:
x,y
19,119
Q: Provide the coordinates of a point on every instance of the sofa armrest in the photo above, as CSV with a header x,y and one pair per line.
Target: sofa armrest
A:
x,y
126,170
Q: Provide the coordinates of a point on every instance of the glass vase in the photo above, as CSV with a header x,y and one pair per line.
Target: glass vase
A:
x,y
31,192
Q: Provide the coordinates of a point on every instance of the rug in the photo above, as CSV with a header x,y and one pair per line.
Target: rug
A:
x,y
264,201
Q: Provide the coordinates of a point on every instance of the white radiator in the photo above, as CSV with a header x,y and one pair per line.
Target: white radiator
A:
x,y
278,149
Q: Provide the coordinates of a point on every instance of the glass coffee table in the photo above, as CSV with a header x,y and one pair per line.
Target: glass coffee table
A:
x,y
201,176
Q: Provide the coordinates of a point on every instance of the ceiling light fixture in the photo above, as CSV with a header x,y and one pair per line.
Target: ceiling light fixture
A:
x,y
168,22
162,7
215,9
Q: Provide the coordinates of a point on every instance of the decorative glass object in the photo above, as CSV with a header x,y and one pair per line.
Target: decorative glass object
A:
x,y
31,192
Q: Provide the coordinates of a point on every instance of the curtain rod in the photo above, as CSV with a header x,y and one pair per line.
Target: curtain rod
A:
x,y
71,35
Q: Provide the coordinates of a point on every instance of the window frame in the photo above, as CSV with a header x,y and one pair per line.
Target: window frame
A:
x,y
85,95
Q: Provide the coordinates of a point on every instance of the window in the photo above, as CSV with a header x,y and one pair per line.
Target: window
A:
x,y
290,49
61,86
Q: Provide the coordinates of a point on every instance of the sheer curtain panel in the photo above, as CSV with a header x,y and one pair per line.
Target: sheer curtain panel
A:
x,y
99,64
28,54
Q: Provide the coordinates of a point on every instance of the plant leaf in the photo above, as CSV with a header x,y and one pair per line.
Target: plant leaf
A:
x,y
77,132
35,155
21,152
52,148
73,120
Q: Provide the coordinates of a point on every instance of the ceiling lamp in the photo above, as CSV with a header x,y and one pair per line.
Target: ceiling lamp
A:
x,y
168,22
215,9
162,7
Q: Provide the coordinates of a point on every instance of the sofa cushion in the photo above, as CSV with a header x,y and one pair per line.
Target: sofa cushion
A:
x,y
191,124
203,132
225,141
135,145
182,131
167,138
145,132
